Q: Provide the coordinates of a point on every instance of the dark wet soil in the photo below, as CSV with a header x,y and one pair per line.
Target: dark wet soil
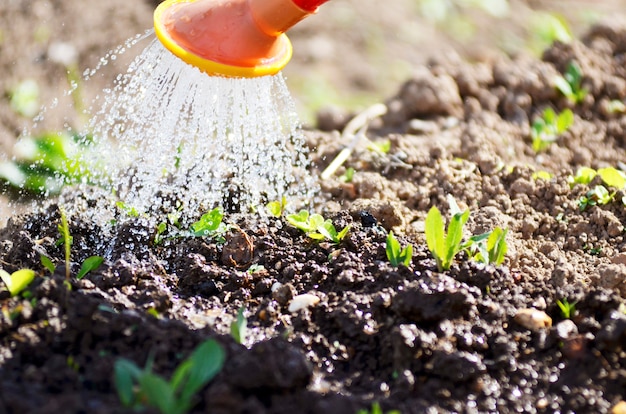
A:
x,y
475,338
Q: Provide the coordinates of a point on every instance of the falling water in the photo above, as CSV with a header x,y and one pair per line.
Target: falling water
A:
x,y
167,136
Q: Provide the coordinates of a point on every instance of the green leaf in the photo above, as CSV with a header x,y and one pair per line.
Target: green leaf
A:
x,y
90,264
17,281
239,327
126,373
435,235
564,121
612,177
392,249
454,237
206,362
497,246
563,86
300,220
208,224
584,175
47,263
159,393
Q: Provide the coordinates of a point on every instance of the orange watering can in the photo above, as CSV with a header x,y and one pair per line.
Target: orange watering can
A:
x,y
233,38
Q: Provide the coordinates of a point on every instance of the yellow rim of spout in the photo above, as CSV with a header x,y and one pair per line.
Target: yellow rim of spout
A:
x,y
211,67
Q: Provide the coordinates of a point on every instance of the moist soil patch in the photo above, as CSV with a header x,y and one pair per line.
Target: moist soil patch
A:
x,y
411,338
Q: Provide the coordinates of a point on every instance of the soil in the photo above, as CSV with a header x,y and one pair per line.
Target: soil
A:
x,y
475,338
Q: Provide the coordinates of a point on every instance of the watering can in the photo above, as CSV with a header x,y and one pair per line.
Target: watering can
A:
x,y
232,38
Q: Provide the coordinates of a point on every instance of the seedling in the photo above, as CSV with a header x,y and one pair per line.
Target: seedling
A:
x,y
570,83
584,176
24,98
348,175
545,130
380,147
17,281
210,225
47,263
129,210
376,409
567,309
66,240
488,248
277,208
598,195
441,245
239,327
316,227
136,387
90,264
395,254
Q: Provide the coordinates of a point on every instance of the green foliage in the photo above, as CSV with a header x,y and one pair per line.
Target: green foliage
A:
x,y
376,409
545,130
24,98
316,227
348,175
129,210
584,176
46,163
277,208
381,147
570,83
136,387
612,177
444,246
598,195
66,240
395,254
488,248
47,263
210,225
90,264
17,281
239,327
567,309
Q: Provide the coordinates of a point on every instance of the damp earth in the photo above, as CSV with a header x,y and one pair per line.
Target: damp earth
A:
x,y
334,327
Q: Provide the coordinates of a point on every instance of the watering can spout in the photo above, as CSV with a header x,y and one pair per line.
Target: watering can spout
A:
x,y
234,38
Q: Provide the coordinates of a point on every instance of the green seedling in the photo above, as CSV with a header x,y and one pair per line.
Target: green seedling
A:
x,y
316,227
584,176
47,263
612,177
210,225
542,175
347,176
570,84
66,240
239,327
381,147
598,195
24,98
376,409
136,387
395,254
46,163
89,265
567,309
129,210
444,246
277,208
488,248
546,129
17,281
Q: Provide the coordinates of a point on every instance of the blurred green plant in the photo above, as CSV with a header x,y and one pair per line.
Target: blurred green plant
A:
x,y
546,129
18,280
570,84
395,254
24,98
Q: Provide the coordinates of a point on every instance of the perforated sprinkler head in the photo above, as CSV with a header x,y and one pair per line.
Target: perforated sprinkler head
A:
x,y
233,38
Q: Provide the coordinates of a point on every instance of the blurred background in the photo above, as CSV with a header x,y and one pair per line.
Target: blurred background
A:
x,y
351,54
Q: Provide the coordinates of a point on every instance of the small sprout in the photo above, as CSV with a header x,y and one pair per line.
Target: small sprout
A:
x,y
497,246
542,175
348,175
239,327
47,263
17,281
209,225
381,147
612,177
90,264
376,409
129,210
136,387
316,227
570,83
395,254
567,309
441,245
584,175
598,195
25,98
66,240
277,208
160,230
545,130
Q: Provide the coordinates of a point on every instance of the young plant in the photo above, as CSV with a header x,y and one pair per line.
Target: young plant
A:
x,y
239,327
598,195
136,387
570,83
584,176
395,254
444,246
488,248
546,129
210,225
66,240
376,409
277,208
89,265
17,281
316,227
567,309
